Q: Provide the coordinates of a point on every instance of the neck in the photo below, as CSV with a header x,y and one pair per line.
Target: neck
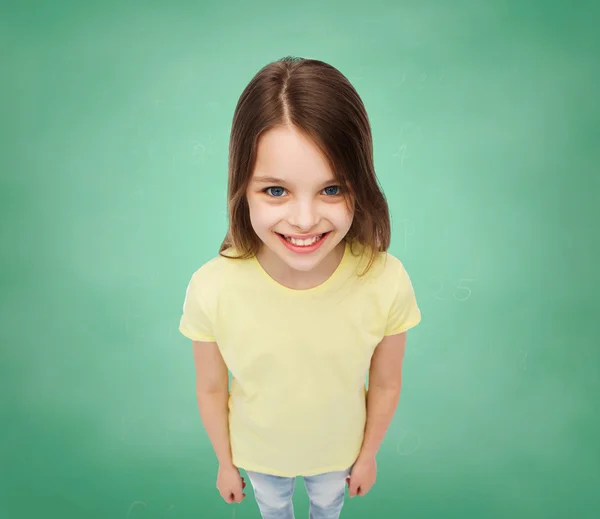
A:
x,y
299,280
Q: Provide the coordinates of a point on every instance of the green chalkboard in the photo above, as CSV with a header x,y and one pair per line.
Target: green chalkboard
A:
x,y
115,120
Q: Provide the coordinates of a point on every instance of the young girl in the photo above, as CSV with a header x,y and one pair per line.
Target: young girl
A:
x,y
303,301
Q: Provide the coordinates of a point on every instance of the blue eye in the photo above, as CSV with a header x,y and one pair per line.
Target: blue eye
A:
x,y
333,187
276,188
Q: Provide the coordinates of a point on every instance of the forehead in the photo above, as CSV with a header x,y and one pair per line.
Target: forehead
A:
x,y
288,154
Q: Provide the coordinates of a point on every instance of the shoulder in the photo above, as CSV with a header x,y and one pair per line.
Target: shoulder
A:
x,y
213,272
387,274
392,263
385,266
209,268
396,271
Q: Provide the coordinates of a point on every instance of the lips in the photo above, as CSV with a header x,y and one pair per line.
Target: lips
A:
x,y
310,237
304,249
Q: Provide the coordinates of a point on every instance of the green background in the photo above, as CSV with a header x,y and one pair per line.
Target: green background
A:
x,y
115,121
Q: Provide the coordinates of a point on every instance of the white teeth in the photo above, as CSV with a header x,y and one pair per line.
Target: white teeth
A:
x,y
303,243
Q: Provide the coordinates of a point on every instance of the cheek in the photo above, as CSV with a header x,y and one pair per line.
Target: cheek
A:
x,y
262,215
255,215
343,218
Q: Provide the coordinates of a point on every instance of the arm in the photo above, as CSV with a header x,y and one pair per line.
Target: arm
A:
x,y
385,381
213,395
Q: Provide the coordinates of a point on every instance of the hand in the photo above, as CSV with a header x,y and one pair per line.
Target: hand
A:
x,y
362,477
230,484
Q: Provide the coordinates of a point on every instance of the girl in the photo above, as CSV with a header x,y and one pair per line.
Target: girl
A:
x,y
303,301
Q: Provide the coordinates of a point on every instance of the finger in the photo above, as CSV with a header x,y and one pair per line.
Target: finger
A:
x,y
352,489
228,499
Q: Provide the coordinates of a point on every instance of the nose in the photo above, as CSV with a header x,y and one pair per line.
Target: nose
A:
x,y
303,215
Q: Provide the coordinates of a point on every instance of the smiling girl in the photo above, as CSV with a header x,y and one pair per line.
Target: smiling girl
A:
x,y
303,300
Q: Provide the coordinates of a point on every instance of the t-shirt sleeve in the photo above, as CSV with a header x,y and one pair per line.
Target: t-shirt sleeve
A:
x,y
195,322
404,312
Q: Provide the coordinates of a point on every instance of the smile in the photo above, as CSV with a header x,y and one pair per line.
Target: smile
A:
x,y
303,246
303,243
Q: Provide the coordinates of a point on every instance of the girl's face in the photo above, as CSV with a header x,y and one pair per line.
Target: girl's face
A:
x,y
293,194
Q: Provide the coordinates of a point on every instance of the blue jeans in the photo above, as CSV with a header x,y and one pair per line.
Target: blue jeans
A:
x,y
274,494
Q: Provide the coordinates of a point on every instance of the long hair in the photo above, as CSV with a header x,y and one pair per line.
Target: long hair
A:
x,y
319,101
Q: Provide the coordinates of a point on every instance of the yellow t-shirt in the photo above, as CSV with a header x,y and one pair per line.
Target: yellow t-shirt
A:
x,y
298,358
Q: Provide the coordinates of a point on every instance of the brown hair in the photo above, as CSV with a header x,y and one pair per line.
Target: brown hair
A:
x,y
318,100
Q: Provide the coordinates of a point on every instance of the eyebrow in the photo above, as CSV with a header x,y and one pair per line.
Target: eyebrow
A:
x,y
279,181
